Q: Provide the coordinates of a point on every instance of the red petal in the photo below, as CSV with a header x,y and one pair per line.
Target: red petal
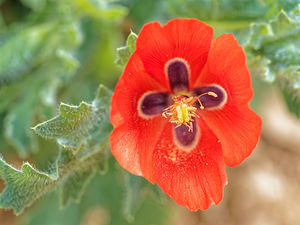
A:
x,y
193,179
236,125
238,128
226,66
123,142
185,38
133,138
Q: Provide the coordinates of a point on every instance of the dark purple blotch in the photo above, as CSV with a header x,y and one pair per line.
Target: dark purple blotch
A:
x,y
155,103
184,136
178,75
209,101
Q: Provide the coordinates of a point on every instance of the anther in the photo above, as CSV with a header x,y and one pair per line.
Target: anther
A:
x,y
215,96
206,93
182,111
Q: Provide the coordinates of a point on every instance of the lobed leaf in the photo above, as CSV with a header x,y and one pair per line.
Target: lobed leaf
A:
x,y
73,168
49,43
273,52
75,122
23,109
124,53
23,186
39,84
71,125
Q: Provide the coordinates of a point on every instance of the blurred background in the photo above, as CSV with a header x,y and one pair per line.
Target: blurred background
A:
x,y
60,51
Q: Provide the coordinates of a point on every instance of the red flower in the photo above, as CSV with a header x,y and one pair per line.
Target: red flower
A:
x,y
202,86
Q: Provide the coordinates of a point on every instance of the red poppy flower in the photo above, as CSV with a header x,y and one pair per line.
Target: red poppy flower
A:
x,y
180,111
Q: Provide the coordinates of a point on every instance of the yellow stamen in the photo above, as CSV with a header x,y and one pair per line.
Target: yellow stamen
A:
x,y
182,111
212,94
206,93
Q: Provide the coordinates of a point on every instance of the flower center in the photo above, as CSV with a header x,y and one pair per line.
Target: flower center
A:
x,y
183,111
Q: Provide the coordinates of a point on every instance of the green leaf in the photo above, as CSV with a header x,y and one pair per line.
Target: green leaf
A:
x,y
273,53
44,43
52,51
18,121
124,53
15,59
64,67
23,186
260,67
22,111
277,41
73,188
104,192
289,82
73,168
72,124
276,6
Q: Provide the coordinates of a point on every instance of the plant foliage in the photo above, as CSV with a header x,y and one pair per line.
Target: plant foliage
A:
x,y
82,131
